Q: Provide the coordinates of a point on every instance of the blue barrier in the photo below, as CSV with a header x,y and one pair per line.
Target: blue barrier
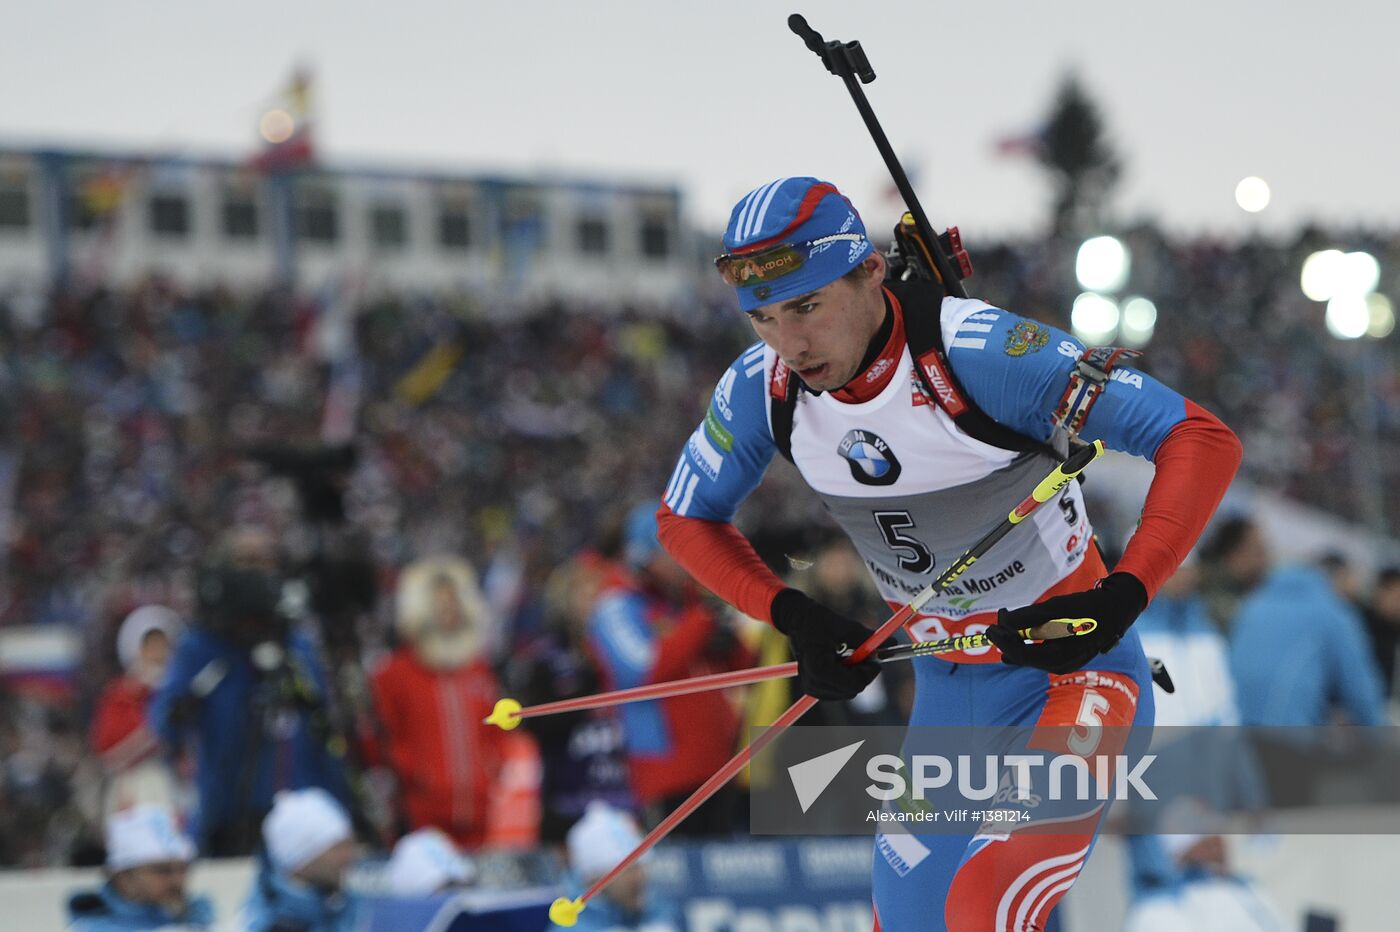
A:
x,y
808,885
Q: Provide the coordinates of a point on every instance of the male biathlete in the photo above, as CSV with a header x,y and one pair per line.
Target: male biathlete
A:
x,y
919,419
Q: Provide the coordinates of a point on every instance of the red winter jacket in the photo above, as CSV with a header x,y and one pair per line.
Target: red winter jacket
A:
x,y
446,760
119,734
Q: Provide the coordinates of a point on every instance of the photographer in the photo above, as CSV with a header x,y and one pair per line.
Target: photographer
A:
x,y
250,691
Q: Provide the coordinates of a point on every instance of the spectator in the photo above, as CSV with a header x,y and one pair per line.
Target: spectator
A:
x,y
1209,768
120,735
1342,575
431,696
649,626
426,863
148,861
1205,895
308,848
1235,558
251,692
597,844
582,754
1176,629
1383,623
1295,647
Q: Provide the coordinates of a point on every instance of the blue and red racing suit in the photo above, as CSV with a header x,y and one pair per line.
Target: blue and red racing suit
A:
x,y
913,491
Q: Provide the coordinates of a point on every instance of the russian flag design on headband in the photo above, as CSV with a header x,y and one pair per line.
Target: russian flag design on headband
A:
x,y
800,212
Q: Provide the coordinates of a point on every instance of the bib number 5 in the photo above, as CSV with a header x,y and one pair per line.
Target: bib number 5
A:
x,y
913,556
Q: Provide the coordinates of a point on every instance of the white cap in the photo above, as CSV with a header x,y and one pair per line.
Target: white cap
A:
x,y
302,825
601,839
424,862
140,623
145,834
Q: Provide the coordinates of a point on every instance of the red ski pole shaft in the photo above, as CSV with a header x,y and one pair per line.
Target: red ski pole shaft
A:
x,y
507,714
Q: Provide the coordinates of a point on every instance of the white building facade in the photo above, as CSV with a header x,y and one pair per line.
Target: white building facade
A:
x,y
91,216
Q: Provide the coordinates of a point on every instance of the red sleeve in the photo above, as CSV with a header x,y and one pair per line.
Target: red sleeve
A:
x,y
722,560
1195,464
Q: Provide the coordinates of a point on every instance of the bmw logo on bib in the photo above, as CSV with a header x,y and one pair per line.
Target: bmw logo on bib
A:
x,y
871,460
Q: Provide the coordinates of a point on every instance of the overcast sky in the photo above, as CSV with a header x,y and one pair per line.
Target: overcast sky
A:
x,y
719,96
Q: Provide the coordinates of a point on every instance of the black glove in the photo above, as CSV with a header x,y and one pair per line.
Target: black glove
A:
x,y
1114,603
818,636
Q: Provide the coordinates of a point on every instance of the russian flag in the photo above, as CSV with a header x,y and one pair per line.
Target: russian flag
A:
x,y
40,661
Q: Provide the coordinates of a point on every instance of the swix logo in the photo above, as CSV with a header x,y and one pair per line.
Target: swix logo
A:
x,y
780,379
880,368
948,396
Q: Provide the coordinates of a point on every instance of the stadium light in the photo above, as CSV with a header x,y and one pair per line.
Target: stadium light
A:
x,y
1381,316
1361,273
1139,321
1252,194
1321,273
1102,264
1332,273
276,126
1348,316
1094,318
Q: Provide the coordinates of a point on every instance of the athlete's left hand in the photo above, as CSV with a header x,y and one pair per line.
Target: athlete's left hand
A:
x,y
1114,604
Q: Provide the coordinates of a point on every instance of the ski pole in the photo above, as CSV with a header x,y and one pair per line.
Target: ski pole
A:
x,y
508,713
565,911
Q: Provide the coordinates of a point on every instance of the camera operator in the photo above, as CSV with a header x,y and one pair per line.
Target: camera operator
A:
x,y
249,690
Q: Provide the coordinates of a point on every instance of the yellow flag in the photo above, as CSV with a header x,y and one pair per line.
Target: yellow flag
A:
x,y
425,379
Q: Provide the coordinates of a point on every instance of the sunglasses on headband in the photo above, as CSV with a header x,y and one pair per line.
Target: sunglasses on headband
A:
x,y
756,268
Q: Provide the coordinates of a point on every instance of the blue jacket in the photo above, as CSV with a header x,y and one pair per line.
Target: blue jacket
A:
x,y
1179,632
281,905
1296,648
238,767
105,911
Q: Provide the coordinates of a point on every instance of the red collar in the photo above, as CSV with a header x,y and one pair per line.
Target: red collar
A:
x,y
866,385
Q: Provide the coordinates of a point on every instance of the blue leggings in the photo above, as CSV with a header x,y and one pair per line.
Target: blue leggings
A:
x,y
1009,881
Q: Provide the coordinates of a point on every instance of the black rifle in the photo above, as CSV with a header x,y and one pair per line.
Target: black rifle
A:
x,y
918,252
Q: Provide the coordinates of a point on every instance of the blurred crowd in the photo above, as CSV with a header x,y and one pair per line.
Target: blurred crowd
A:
x,y
1235,333
276,522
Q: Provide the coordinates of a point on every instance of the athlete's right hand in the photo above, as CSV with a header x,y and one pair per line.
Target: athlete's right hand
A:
x,y
818,636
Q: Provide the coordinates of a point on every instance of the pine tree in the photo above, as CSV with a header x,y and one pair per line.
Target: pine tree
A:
x,y
1083,165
